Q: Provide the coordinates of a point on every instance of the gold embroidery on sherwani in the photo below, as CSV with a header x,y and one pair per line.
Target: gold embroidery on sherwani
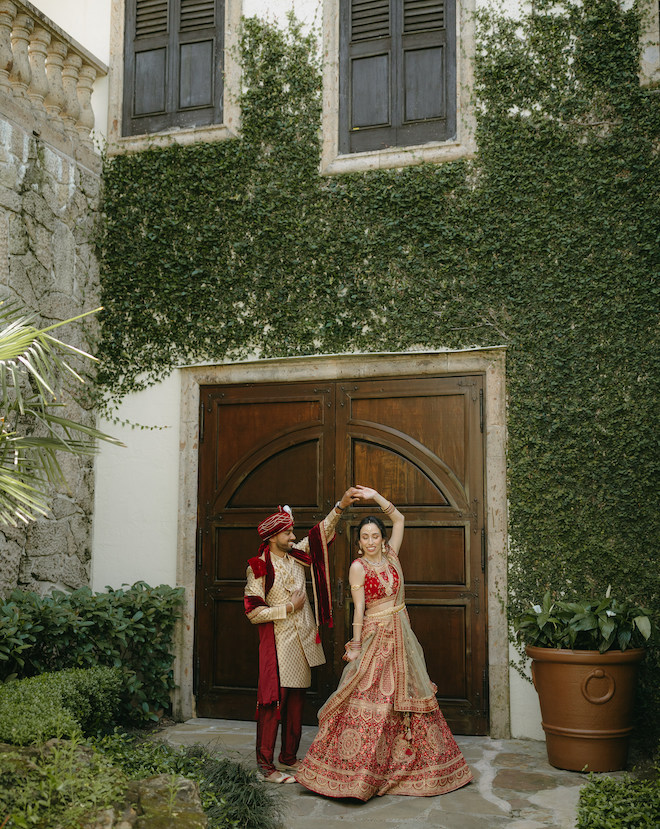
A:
x,y
295,633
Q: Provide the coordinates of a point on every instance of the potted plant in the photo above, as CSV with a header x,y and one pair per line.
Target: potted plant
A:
x,y
585,655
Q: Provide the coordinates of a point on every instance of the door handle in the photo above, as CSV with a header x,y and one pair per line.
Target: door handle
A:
x,y
340,593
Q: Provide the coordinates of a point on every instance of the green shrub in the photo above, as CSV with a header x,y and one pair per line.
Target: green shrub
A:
x,y
606,803
232,795
603,624
130,629
58,785
33,716
63,704
18,632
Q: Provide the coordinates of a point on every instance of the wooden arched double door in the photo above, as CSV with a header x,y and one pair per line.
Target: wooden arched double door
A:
x,y
420,443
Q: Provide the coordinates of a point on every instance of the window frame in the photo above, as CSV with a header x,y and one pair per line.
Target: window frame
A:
x,y
395,48
230,73
334,161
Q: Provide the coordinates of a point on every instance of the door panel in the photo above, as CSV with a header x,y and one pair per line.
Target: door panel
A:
x,y
406,479
439,555
244,423
401,416
262,487
420,442
260,446
441,633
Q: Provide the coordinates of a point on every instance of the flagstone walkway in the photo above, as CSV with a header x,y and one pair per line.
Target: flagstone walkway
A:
x,y
514,786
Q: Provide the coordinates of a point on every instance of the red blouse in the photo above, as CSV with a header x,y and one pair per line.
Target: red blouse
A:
x,y
373,589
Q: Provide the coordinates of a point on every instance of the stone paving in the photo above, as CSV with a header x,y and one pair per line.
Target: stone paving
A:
x,y
514,786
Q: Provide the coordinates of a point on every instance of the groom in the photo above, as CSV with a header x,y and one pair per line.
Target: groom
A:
x,y
289,641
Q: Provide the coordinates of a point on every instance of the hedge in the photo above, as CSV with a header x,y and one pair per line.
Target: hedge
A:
x,y
70,703
129,629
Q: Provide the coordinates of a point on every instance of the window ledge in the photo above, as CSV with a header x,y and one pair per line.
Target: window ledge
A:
x,y
194,135
397,157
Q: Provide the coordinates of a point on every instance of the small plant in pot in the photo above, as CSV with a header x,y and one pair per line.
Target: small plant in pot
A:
x,y
585,655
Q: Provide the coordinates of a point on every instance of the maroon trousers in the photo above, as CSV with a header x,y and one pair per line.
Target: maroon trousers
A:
x,y
292,701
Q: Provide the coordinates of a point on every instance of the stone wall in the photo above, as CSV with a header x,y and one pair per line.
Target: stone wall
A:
x,y
49,192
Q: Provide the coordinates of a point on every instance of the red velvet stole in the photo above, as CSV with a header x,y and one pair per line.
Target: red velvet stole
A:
x,y
268,689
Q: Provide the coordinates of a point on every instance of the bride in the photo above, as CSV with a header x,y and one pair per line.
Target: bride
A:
x,y
382,732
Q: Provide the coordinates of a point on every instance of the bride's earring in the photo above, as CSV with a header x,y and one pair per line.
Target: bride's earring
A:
x,y
383,548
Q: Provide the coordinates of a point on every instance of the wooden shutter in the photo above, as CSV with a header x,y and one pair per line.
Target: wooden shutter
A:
x,y
397,73
172,64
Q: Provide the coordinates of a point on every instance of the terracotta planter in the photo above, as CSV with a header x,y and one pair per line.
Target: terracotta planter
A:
x,y
587,702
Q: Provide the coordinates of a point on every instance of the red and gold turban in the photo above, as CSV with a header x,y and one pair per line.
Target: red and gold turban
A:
x,y
276,523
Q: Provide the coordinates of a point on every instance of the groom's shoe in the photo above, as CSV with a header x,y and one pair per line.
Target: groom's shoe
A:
x,y
292,766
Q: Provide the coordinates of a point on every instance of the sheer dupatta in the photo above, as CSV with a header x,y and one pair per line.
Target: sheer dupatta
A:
x,y
414,692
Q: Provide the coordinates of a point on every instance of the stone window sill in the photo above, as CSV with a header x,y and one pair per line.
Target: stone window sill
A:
x,y
396,157
194,135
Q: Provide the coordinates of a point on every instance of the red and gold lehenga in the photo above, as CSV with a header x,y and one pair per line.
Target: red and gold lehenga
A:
x,y
382,732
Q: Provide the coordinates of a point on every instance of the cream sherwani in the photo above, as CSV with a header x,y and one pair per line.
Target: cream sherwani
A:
x,y
295,633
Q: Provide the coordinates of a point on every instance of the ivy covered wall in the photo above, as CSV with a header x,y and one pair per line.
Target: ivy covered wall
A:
x,y
546,242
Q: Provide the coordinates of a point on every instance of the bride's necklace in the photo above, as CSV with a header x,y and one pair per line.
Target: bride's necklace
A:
x,y
387,581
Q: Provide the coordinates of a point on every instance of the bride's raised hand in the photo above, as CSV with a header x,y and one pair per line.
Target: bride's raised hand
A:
x,y
365,493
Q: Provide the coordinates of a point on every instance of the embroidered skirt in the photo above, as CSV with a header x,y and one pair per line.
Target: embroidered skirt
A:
x,y
364,747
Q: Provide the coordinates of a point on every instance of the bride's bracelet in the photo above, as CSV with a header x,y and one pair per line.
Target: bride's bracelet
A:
x,y
351,648
389,509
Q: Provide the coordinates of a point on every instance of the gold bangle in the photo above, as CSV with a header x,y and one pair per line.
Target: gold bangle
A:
x,y
389,509
356,586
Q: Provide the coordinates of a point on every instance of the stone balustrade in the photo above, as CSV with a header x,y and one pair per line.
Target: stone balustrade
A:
x,y
46,77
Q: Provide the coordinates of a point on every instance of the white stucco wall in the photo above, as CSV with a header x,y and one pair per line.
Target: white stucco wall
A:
x,y
524,702
307,11
136,496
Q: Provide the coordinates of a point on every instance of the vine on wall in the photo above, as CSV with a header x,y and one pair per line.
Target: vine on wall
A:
x,y
545,243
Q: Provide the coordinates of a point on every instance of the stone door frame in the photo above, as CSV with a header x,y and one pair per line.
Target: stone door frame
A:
x,y
489,361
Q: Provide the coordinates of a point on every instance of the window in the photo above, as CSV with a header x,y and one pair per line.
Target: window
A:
x,y
397,73
173,63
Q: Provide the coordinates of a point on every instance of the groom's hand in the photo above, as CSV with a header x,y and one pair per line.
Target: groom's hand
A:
x,y
349,497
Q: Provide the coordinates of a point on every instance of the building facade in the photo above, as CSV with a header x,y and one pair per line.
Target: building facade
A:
x,y
136,74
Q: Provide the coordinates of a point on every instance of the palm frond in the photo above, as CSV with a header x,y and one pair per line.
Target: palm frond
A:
x,y
33,364
20,502
73,426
